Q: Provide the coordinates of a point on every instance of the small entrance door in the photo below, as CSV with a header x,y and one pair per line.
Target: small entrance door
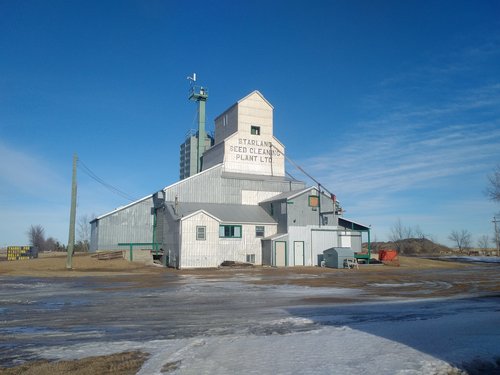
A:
x,y
298,252
280,253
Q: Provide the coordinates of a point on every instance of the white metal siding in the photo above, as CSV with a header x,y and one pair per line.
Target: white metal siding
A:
x,y
316,239
240,157
199,253
212,251
255,196
322,240
211,187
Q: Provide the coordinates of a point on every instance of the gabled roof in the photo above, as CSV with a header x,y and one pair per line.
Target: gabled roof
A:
x,y
274,236
243,99
196,175
255,177
258,93
151,195
225,213
349,224
289,194
122,207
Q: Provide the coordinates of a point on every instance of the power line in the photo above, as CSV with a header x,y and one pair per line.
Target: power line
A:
x,y
96,178
303,171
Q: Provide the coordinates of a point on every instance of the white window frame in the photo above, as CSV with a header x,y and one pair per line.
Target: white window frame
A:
x,y
258,230
204,231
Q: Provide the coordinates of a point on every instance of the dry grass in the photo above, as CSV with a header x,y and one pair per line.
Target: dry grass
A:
x,y
127,363
54,265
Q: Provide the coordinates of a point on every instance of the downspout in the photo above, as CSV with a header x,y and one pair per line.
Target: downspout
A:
x,y
155,245
319,204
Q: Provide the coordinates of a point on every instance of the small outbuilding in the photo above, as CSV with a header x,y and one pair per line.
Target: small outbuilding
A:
x,y
336,257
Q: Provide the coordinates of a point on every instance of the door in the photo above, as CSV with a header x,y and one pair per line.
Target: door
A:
x,y
298,252
280,253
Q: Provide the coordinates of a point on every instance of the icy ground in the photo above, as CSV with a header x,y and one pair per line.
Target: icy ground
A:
x,y
229,326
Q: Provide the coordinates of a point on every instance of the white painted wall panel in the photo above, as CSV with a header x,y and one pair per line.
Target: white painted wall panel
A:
x,y
214,250
316,239
253,197
199,253
253,154
322,240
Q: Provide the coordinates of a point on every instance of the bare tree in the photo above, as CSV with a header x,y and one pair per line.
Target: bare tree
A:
x,y
83,228
493,190
483,242
399,233
36,237
462,239
50,244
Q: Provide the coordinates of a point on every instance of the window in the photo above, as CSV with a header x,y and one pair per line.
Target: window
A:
x,y
230,231
201,233
259,231
250,258
313,201
325,220
255,130
283,208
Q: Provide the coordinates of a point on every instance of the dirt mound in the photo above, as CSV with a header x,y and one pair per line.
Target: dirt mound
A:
x,y
412,246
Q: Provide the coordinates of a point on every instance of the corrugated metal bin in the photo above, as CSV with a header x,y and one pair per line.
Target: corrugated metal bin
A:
x,y
336,257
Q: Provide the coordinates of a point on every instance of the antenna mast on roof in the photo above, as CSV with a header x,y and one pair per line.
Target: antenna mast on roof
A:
x,y
199,94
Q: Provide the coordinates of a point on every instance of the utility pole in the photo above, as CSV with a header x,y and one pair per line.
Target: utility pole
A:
x,y
72,217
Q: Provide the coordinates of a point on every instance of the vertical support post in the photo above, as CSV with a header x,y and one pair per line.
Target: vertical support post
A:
x,y
369,247
72,217
131,256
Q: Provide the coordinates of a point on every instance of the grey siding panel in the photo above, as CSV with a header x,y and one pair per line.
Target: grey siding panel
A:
x,y
212,187
356,241
300,214
132,224
274,210
94,235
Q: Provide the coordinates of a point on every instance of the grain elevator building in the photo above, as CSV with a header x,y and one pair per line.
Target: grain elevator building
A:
x,y
241,206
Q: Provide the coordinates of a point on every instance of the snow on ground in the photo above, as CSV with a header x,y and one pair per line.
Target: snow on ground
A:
x,y
428,346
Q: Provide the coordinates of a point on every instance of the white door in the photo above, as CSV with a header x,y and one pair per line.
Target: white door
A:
x,y
298,252
280,253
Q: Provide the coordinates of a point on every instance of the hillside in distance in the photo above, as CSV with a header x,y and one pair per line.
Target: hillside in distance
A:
x,y
411,246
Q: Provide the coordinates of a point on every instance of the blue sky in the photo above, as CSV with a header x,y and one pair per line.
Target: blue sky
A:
x,y
393,105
